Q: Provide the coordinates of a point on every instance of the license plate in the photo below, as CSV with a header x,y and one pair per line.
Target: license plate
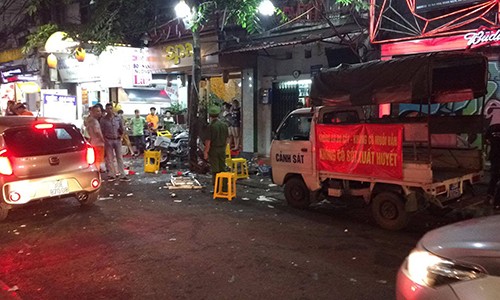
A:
x,y
455,191
59,187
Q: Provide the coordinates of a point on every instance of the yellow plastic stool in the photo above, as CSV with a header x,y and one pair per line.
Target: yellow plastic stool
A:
x,y
219,192
152,161
238,166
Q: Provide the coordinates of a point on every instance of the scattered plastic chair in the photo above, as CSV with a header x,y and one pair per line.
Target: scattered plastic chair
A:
x,y
238,166
230,183
152,161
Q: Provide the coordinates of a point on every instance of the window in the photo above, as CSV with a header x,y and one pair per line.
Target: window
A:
x,y
341,117
296,127
27,141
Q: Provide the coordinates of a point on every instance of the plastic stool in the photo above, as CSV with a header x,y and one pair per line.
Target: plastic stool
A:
x,y
219,192
239,167
152,161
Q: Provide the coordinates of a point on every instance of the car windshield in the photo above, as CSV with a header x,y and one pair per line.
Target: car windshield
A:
x,y
29,141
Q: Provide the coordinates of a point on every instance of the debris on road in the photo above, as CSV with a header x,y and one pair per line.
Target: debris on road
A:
x,y
13,289
266,199
172,239
177,201
245,199
272,185
232,279
270,206
130,194
104,198
183,183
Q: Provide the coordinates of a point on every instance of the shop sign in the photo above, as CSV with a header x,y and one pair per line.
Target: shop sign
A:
x,y
10,55
432,5
59,106
176,52
71,70
10,74
484,36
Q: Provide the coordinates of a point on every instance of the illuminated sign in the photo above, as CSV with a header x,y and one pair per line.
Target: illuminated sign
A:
x,y
483,36
176,52
10,74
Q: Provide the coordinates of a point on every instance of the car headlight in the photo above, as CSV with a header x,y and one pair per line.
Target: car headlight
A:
x,y
427,269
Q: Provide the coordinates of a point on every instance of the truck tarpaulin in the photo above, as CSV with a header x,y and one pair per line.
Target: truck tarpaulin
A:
x,y
364,149
418,79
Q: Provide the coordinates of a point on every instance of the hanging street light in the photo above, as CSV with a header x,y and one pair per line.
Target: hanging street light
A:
x,y
182,10
80,54
52,61
266,8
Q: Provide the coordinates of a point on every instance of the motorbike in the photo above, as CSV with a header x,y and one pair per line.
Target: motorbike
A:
x,y
175,147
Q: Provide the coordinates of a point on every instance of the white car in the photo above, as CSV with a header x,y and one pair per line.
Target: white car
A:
x,y
458,261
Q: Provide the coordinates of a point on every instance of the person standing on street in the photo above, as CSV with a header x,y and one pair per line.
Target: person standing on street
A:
x,y
235,125
215,142
138,124
125,138
493,139
153,119
96,139
112,130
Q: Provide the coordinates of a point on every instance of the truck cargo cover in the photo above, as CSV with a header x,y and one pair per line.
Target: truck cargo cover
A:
x,y
437,77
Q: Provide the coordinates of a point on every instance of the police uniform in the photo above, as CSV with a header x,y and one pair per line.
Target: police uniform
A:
x,y
217,134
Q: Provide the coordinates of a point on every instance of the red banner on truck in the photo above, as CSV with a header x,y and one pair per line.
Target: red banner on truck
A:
x,y
363,149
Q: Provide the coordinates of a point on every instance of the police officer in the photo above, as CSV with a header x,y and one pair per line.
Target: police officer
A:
x,y
215,142
493,139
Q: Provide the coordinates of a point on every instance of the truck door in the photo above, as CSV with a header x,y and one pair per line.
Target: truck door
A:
x,y
291,150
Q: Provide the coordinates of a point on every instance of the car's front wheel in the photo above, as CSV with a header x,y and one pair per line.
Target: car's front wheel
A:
x,y
87,199
296,193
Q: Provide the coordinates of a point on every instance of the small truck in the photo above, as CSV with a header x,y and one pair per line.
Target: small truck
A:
x,y
345,145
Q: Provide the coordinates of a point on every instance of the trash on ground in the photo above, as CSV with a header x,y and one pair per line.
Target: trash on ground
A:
x,y
130,194
232,279
270,206
13,289
177,201
183,183
104,198
272,185
245,199
266,199
172,239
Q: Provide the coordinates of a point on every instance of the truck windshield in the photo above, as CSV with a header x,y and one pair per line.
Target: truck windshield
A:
x,y
296,127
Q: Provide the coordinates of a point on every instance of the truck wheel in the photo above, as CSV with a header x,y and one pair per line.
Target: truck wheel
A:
x,y
3,213
87,199
389,212
296,193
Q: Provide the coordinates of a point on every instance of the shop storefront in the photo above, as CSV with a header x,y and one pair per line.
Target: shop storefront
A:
x,y
463,26
17,83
